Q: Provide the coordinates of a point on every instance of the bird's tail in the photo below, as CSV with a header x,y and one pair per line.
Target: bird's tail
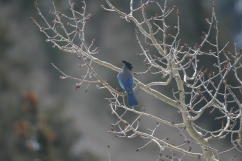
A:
x,y
132,99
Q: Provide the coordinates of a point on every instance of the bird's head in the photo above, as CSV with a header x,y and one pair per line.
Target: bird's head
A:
x,y
127,64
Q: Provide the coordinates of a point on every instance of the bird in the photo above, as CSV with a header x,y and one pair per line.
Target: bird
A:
x,y
126,82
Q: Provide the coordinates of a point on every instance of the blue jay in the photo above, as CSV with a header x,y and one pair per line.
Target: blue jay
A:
x,y
125,79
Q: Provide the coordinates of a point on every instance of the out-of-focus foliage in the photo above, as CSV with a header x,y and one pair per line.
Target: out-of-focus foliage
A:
x,y
30,130
29,133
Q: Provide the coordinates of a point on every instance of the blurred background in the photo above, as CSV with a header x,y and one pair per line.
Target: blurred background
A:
x,y
43,118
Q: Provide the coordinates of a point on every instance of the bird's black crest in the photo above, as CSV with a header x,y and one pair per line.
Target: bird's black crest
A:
x,y
127,64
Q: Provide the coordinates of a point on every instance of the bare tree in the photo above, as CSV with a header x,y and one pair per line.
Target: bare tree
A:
x,y
199,87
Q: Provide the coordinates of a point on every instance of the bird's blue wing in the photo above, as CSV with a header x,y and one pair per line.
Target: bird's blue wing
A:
x,y
129,83
125,81
120,81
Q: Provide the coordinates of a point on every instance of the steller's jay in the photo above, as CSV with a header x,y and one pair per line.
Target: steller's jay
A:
x,y
125,79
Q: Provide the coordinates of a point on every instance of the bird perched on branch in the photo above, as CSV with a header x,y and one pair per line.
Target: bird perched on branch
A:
x,y
125,79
